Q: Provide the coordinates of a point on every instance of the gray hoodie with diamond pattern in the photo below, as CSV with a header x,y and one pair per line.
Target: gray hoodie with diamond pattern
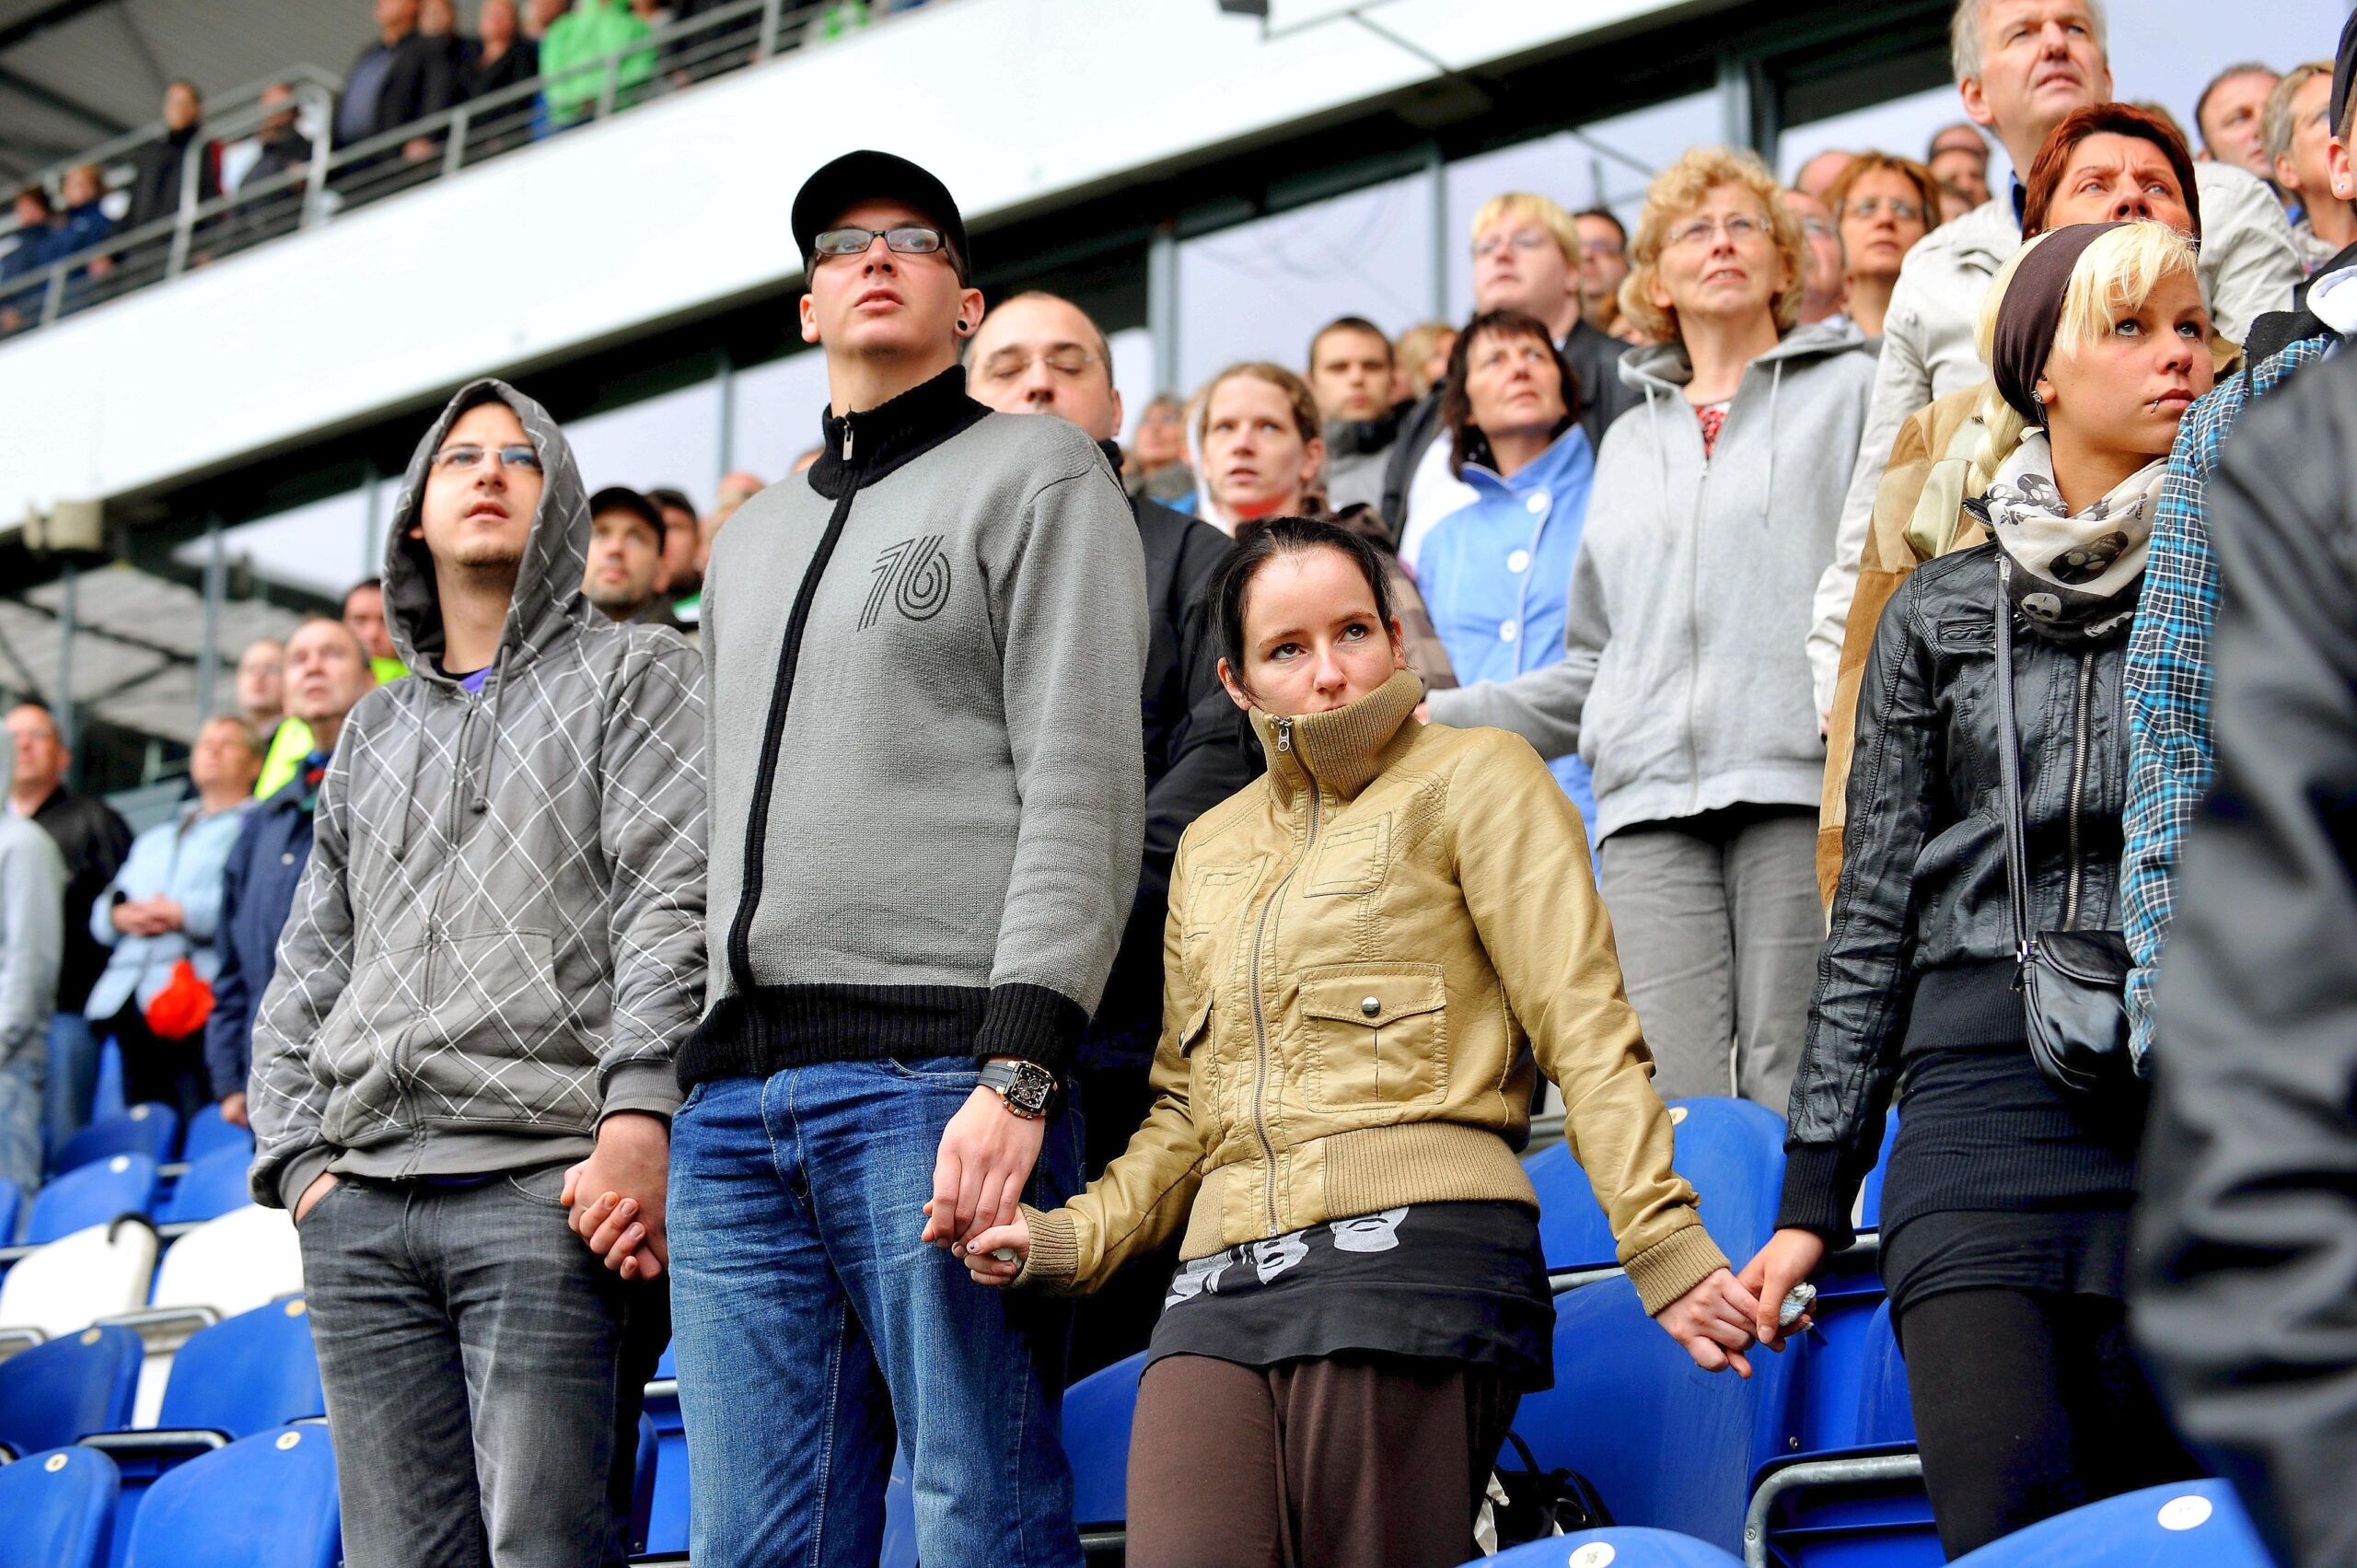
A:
x,y
499,938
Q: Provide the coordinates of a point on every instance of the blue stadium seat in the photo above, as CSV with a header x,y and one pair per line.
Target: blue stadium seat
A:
x,y
11,1202
1870,1195
1731,1150
263,1502
1097,1440
2197,1523
53,1509
210,1186
641,1483
106,1099
207,1133
1860,1506
899,1545
1667,1444
54,1393
1830,1360
252,1373
93,1194
1618,1548
667,1514
149,1129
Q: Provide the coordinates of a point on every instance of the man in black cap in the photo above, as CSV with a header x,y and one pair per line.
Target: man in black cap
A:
x,y
627,571
926,657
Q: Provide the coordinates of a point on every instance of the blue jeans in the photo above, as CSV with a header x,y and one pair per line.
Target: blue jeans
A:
x,y
73,1077
20,1123
811,1326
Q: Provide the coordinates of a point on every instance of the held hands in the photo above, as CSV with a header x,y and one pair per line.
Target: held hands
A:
x,y
630,1175
1790,1256
981,1252
987,1153
1714,1321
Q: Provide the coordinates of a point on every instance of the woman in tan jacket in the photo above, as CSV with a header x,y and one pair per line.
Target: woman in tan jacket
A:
x,y
1372,952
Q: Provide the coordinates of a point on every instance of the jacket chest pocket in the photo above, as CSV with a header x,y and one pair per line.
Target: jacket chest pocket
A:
x,y
1373,1037
1215,895
1350,860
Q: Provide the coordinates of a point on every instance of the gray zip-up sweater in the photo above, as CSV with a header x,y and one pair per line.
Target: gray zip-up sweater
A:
x,y
32,930
929,808
1685,683
499,938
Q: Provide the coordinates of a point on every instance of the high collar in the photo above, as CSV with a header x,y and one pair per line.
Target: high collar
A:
x,y
862,447
1348,438
1344,749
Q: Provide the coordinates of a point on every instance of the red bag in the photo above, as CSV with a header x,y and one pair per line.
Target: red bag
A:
x,y
180,1008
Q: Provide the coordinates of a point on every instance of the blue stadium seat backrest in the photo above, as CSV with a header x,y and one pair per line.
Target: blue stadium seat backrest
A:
x,y
93,1194
1619,1546
642,1482
149,1129
667,1514
1097,1440
56,1392
212,1186
11,1204
55,1508
247,1373
106,1099
266,1501
1830,1360
208,1133
1870,1196
1730,1151
1667,1444
1884,1413
900,1546
2195,1524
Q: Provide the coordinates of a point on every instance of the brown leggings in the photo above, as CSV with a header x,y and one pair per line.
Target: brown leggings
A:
x,y
1363,1461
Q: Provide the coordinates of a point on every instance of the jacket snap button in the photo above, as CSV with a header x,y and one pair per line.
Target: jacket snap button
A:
x,y
1372,1006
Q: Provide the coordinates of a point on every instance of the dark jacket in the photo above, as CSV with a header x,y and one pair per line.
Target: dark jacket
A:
x,y
93,839
519,64
1603,397
279,154
2278,329
257,892
1196,756
1923,884
421,80
2247,1273
157,175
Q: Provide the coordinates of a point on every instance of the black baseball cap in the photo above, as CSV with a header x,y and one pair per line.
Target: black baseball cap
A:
x,y
867,176
622,498
2343,61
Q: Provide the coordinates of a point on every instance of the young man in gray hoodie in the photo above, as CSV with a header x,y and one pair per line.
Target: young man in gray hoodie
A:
x,y
496,946
928,808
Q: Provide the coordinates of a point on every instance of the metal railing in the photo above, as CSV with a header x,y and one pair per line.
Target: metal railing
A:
x,y
437,146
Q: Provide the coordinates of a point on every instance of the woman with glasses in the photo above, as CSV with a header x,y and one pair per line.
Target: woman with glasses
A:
x,y
1685,686
1883,206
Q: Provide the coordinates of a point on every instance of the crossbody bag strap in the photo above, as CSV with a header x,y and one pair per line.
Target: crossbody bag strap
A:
x,y
2009,764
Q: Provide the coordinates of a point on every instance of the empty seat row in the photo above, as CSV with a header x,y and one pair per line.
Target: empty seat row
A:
x,y
132,1181
267,1501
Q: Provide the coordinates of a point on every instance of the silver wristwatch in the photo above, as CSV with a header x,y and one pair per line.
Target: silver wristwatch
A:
x,y
1027,1088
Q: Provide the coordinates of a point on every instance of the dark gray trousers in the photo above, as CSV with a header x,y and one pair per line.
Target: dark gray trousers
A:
x,y
473,1352
1718,924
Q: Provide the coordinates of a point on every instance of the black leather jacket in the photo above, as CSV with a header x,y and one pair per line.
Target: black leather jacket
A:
x,y
1923,875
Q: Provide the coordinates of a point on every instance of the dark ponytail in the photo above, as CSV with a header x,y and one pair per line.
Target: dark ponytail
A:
x,y
1261,542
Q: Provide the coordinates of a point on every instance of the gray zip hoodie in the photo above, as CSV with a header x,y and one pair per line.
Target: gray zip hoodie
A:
x,y
499,938
32,927
1685,683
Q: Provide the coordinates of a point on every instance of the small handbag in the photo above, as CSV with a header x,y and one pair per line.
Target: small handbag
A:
x,y
2073,983
181,1008
1532,1505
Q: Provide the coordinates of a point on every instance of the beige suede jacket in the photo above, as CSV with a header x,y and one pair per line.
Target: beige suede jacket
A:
x,y
1366,949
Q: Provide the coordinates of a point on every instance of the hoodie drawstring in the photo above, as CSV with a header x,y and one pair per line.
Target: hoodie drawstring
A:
x,y
482,801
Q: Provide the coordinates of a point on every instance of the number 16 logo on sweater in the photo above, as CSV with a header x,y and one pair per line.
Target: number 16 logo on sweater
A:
x,y
912,577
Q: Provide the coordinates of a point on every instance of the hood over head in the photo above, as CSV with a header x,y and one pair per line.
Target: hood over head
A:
x,y
548,581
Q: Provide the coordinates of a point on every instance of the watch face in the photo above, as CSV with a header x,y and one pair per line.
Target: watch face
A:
x,y
1032,1085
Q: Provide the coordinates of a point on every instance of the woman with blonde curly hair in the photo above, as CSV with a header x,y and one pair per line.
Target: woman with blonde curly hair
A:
x,y
1685,686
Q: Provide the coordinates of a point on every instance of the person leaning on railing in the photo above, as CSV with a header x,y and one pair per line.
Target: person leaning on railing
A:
x,y
574,61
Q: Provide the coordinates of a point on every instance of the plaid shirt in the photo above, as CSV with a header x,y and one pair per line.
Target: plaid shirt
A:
x,y
2168,679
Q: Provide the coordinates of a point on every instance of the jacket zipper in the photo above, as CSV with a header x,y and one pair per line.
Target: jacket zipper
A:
x,y
2078,789
789,655
1260,1008
404,1075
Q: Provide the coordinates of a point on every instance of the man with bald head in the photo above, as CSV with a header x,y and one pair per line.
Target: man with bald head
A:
x,y
1818,175
1038,354
326,671
93,839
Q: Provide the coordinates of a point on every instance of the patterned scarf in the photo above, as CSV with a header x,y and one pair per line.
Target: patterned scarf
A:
x,y
2074,578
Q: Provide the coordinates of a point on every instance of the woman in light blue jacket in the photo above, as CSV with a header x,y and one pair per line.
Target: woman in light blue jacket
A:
x,y
1496,574
162,906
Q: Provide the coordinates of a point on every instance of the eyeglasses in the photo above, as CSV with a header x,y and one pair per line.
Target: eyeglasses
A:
x,y
1819,227
1874,206
906,239
1067,360
1521,239
1738,229
467,459
1602,247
